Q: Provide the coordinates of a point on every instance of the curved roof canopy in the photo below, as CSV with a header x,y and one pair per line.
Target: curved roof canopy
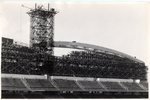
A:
x,y
89,47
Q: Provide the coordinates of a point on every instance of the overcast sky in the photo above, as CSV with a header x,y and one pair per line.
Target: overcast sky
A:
x,y
119,26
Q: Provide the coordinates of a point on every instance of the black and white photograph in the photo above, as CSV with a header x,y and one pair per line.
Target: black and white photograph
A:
x,y
74,49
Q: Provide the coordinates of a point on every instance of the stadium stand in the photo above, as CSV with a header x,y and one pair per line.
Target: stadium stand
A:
x,y
40,84
95,72
145,84
132,86
39,87
66,85
78,72
12,84
91,85
113,86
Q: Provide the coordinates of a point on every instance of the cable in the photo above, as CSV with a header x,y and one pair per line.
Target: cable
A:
x,y
20,22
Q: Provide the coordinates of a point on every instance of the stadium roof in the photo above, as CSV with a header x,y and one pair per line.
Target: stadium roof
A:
x,y
84,46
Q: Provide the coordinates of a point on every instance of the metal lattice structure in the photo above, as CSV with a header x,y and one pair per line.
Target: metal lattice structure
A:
x,y
94,61
42,28
98,64
24,60
18,59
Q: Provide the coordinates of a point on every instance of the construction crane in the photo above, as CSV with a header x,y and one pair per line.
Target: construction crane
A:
x,y
40,7
26,7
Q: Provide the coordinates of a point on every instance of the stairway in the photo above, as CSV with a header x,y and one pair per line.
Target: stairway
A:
x,y
25,84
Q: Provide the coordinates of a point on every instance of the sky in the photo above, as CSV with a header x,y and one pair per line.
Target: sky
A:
x,y
122,26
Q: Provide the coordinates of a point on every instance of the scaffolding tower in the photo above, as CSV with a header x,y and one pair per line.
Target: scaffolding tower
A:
x,y
42,28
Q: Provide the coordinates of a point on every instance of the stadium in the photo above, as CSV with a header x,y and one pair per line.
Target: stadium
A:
x,y
93,72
